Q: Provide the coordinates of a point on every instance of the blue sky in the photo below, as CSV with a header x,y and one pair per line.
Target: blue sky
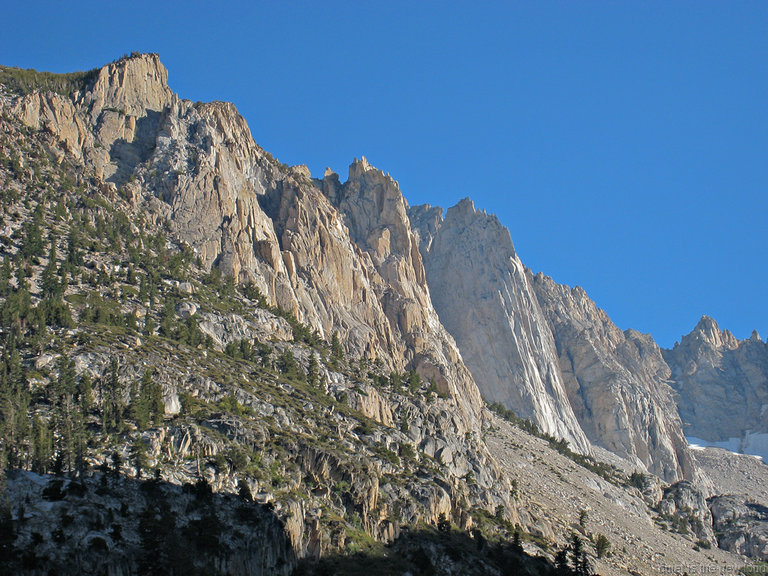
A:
x,y
625,144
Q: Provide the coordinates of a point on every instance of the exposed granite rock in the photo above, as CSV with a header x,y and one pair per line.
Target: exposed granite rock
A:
x,y
616,382
336,288
111,123
741,526
721,383
684,501
546,351
340,462
376,215
484,298
261,326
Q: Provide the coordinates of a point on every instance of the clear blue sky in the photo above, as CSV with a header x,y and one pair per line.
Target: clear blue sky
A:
x,y
625,144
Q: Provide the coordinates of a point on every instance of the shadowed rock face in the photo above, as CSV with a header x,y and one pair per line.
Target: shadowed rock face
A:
x,y
121,525
484,298
616,382
721,382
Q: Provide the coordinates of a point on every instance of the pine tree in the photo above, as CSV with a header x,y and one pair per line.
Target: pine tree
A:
x,y
138,409
23,271
287,364
244,491
143,289
168,318
517,545
141,408
149,324
313,371
14,405
576,550
584,567
139,456
151,398
337,352
602,545
42,446
5,278
561,563
33,244
79,443
117,463
64,393
50,280
74,256
85,394
579,560
112,405
414,381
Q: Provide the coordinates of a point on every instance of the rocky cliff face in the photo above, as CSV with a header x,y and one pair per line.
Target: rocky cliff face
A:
x,y
108,123
546,351
484,298
615,382
722,385
339,257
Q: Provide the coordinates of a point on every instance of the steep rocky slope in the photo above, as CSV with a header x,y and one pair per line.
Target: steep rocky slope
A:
x,y
643,540
722,387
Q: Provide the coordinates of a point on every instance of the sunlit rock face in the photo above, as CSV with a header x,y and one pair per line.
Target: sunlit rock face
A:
x,y
546,351
485,300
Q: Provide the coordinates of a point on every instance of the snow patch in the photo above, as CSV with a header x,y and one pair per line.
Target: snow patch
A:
x,y
750,444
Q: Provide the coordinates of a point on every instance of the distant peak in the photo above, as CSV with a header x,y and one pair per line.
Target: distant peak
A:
x,y
464,215
465,205
330,173
707,330
755,337
359,167
463,211
706,324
